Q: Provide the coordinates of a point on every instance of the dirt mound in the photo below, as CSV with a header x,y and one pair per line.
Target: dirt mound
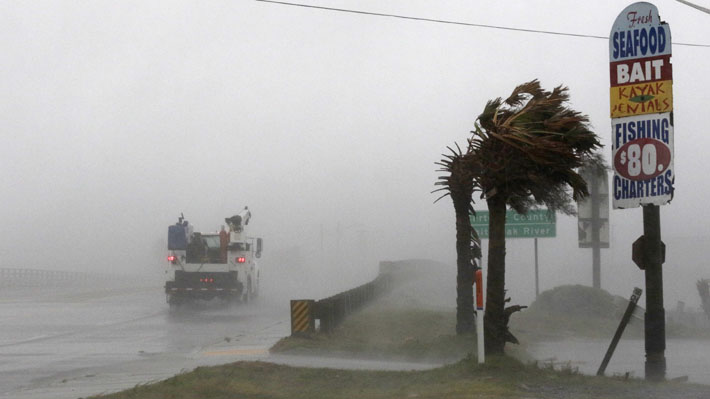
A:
x,y
575,301
573,311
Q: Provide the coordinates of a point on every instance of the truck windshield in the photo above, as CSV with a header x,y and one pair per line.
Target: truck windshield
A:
x,y
211,241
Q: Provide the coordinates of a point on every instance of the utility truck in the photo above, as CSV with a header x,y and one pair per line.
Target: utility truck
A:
x,y
203,266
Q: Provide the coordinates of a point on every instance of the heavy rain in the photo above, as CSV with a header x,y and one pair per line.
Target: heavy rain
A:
x,y
325,119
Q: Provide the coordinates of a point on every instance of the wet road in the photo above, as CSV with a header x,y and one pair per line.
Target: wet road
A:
x,y
79,342
76,343
73,344
684,357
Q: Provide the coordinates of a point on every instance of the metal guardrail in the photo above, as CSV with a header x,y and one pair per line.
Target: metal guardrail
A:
x,y
331,311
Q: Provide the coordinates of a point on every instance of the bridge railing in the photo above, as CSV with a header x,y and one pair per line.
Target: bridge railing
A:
x,y
24,278
331,311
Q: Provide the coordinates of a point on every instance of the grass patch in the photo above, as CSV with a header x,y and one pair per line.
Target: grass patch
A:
x,y
501,377
389,332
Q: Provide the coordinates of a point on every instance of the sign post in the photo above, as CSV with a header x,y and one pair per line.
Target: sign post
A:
x,y
641,99
537,278
479,317
620,330
593,218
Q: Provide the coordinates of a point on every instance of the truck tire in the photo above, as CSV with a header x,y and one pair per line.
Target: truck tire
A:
x,y
174,300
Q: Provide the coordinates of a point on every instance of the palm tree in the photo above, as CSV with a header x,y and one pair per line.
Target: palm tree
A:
x,y
460,184
525,150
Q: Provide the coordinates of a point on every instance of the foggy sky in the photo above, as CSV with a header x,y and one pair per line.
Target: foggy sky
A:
x,y
117,116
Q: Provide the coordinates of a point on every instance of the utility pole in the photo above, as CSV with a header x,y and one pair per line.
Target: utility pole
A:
x,y
596,225
655,318
537,277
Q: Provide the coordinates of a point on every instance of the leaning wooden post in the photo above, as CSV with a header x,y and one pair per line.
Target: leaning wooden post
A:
x,y
620,330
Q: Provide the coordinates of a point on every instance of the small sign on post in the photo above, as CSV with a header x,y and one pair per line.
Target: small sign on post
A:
x,y
638,253
594,210
302,320
593,217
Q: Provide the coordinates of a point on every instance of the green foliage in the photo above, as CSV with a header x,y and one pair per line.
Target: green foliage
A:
x,y
526,149
460,183
528,146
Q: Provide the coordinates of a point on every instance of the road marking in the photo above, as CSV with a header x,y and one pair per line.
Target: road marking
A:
x,y
249,352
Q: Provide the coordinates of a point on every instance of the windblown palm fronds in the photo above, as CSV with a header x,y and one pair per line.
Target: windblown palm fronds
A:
x,y
531,143
459,183
525,152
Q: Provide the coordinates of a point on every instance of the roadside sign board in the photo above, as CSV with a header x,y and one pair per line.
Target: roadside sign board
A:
x,y
537,223
584,233
641,106
585,211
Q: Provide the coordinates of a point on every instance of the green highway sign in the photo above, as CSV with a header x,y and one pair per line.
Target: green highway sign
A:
x,y
537,223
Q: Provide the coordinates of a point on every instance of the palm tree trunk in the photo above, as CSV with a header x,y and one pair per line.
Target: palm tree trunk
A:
x,y
495,320
464,275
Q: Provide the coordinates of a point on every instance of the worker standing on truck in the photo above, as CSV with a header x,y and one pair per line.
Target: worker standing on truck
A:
x,y
223,242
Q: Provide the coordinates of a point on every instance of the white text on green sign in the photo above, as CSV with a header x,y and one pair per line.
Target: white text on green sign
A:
x,y
538,223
